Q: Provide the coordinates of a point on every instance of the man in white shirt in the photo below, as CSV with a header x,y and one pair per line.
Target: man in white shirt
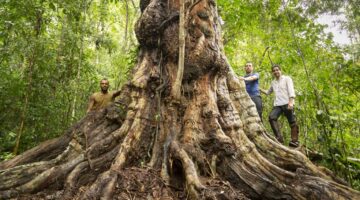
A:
x,y
283,89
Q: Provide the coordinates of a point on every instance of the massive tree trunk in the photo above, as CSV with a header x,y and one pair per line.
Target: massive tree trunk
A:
x,y
207,144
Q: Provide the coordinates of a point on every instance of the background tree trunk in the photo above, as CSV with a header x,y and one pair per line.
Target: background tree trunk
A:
x,y
209,144
30,65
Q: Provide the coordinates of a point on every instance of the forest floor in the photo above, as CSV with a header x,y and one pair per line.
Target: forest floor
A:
x,y
145,184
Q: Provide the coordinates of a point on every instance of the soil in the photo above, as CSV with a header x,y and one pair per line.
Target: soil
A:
x,y
143,183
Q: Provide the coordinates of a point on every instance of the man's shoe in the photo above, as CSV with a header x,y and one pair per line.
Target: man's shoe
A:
x,y
294,144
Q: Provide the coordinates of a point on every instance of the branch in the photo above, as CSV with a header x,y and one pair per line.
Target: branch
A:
x,y
179,75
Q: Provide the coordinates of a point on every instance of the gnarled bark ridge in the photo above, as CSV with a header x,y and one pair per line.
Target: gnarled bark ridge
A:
x,y
210,144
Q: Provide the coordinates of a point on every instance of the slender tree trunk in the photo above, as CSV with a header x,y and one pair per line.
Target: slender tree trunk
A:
x,y
73,112
126,25
30,68
23,114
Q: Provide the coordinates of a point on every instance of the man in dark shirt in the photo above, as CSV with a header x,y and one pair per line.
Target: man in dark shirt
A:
x,y
252,87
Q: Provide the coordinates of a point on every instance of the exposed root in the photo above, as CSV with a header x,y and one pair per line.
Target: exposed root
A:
x,y
96,189
107,193
133,137
45,151
31,170
43,179
72,179
194,186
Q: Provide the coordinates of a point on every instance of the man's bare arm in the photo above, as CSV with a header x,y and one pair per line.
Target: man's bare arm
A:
x,y
251,78
263,91
291,103
116,93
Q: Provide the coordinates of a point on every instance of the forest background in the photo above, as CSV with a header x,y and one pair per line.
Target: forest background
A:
x,y
54,52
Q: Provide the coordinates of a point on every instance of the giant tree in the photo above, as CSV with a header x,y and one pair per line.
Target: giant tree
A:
x,y
183,127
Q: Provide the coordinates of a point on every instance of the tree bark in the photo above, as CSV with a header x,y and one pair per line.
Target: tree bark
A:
x,y
149,145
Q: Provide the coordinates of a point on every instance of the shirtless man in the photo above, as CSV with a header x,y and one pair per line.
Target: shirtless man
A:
x,y
100,100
